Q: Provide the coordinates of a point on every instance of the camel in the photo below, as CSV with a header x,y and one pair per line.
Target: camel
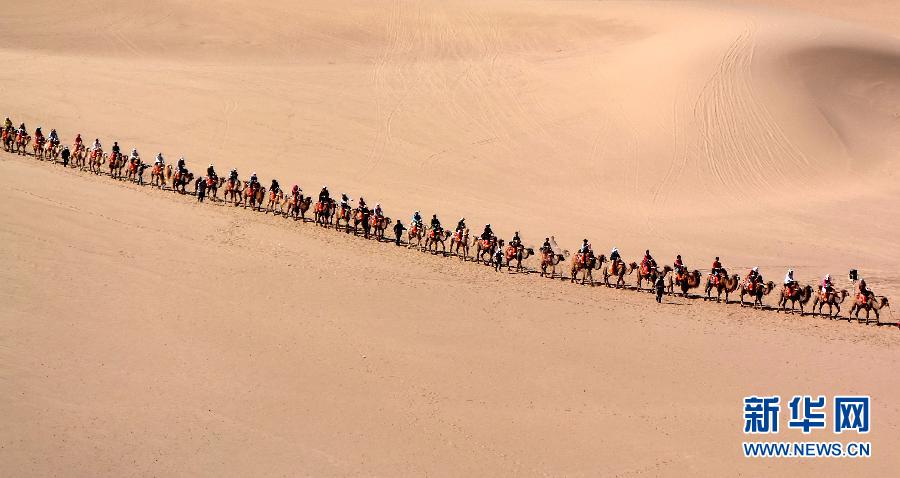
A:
x,y
433,238
79,158
795,295
6,137
868,303
233,191
459,244
756,293
180,181
254,196
415,233
53,152
22,143
116,164
96,158
361,218
213,184
588,263
158,176
617,269
517,254
549,260
275,198
685,282
38,148
484,246
323,213
832,300
134,165
647,274
297,206
345,215
379,225
722,283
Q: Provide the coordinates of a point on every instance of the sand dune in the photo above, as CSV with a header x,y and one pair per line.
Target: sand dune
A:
x,y
763,132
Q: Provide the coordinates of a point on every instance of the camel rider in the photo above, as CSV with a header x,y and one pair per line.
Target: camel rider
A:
x,y
361,204
254,181
211,171
134,154
647,261
614,255
233,175
345,202
115,148
436,224
789,282
516,241
461,226
546,248
160,160
54,138
79,143
181,168
827,285
295,190
378,212
275,188
864,290
716,268
753,278
585,248
488,233
22,130
416,219
97,144
38,135
8,123
324,195
678,265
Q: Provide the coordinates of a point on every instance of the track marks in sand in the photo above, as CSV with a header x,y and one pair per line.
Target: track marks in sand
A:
x,y
741,142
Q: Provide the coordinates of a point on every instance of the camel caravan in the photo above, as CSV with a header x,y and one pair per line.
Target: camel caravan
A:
x,y
486,248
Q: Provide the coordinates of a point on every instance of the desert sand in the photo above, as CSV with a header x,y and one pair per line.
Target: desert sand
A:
x,y
144,334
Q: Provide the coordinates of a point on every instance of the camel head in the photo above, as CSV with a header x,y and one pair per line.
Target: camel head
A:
x,y
769,286
843,295
885,303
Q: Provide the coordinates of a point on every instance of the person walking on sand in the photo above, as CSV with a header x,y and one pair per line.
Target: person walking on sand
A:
x,y
498,256
660,287
398,231
201,189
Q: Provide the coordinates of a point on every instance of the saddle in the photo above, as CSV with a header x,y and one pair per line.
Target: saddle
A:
x,y
320,207
431,234
486,243
210,182
414,230
581,258
510,252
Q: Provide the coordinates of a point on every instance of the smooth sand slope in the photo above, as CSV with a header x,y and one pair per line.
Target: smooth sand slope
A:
x,y
147,335
213,341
